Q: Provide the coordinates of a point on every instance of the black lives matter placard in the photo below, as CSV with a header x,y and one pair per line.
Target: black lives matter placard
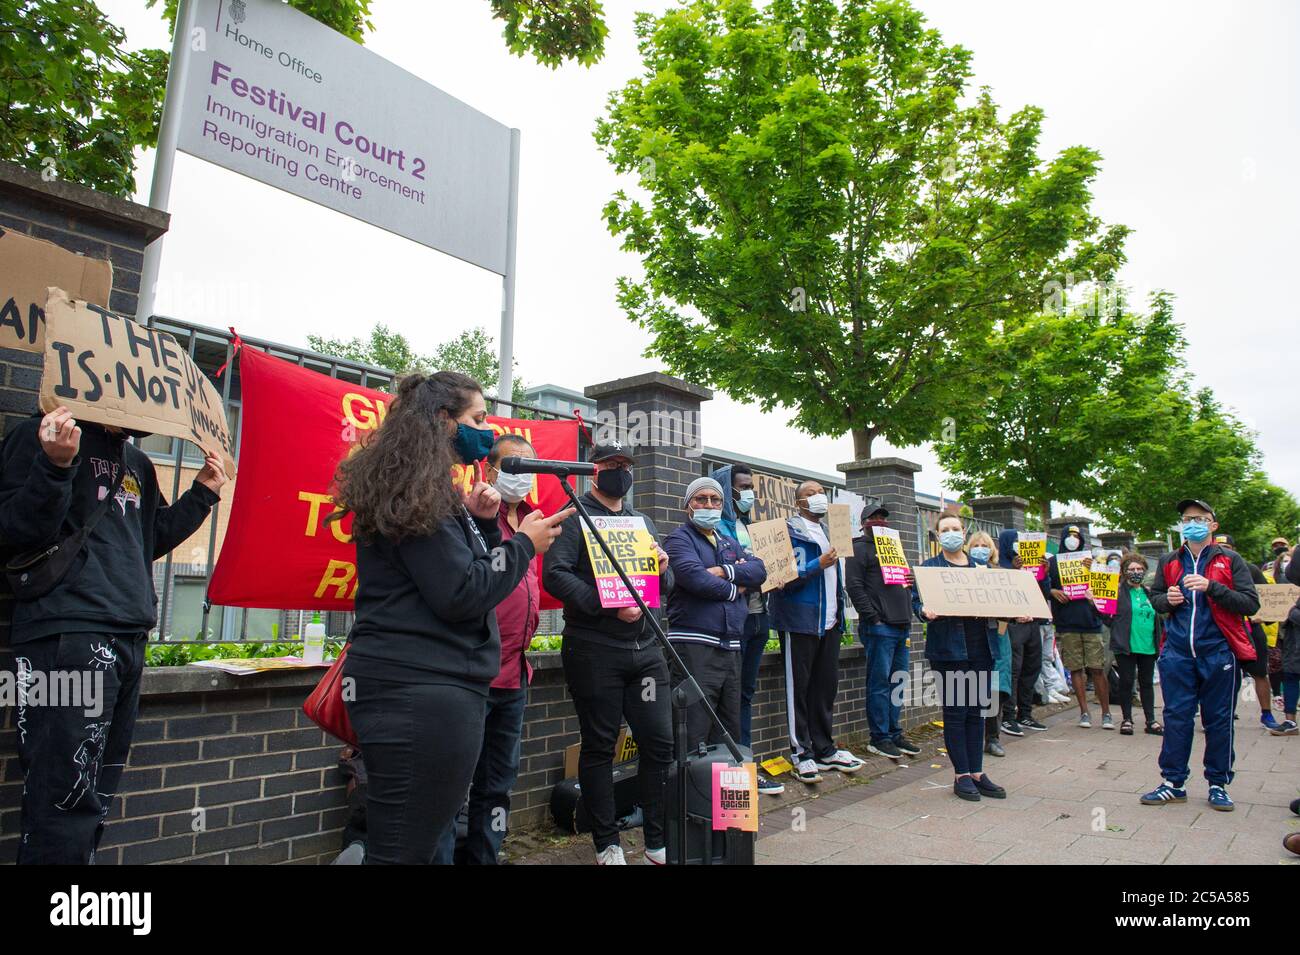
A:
x,y
111,370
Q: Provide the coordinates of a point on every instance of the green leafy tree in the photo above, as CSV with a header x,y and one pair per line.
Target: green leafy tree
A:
x,y
1067,394
1254,512
1186,445
553,31
473,352
826,227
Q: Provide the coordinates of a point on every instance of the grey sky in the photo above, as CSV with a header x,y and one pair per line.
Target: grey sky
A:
x,y
1193,107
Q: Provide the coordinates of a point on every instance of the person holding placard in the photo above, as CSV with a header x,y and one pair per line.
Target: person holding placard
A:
x,y
809,613
879,584
984,553
1289,641
1255,669
1078,625
613,667
1136,634
736,509
961,653
60,478
706,618
1026,651
1207,593
425,645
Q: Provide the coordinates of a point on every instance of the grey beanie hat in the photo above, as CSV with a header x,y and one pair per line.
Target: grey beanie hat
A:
x,y
697,485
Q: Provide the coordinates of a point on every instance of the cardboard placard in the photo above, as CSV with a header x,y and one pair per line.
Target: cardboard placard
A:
x,y
773,498
839,529
111,370
889,551
634,548
770,542
980,592
1276,601
1031,548
1104,584
28,269
625,750
735,797
1076,578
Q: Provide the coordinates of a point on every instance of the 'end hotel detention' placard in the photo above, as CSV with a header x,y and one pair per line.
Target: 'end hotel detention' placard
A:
x,y
980,592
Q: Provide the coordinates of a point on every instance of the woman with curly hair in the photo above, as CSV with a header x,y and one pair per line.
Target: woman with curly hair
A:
x,y
431,568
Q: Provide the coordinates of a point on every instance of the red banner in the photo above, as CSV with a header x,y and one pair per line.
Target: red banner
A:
x,y
296,425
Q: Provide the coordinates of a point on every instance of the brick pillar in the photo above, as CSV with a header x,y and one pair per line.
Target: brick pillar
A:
x,y
1058,524
1117,540
1152,550
1007,511
658,418
83,221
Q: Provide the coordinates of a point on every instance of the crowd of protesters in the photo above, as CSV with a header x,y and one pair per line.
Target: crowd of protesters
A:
x,y
448,603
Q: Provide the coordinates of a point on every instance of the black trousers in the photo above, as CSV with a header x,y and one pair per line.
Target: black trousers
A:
x,y
963,690
812,678
73,746
717,671
421,743
1026,663
608,685
1142,665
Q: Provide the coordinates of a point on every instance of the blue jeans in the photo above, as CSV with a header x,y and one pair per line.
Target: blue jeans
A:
x,y
489,795
751,657
887,655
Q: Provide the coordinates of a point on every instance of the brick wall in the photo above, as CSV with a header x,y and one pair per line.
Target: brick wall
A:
x,y
266,780
80,220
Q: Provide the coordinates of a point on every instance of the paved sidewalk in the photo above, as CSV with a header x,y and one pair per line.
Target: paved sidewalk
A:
x,y
1072,798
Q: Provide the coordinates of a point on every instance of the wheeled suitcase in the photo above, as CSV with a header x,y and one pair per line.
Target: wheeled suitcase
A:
x,y
724,847
569,809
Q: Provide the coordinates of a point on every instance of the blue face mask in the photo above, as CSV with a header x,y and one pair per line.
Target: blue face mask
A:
x,y
951,541
472,444
1194,532
706,518
745,501
981,555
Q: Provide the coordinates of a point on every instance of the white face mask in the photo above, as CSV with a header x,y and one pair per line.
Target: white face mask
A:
x,y
817,504
1072,543
513,488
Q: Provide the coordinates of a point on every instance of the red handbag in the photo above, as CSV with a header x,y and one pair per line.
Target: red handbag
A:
x,y
324,706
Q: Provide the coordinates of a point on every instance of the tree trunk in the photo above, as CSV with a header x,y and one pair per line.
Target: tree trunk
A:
x,y
1046,510
862,438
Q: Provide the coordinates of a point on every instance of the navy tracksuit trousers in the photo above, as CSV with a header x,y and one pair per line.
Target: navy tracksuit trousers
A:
x,y
1210,680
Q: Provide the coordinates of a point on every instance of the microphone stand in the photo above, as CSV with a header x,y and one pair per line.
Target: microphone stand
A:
x,y
685,694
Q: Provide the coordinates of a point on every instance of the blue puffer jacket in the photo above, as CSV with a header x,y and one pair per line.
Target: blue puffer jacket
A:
x,y
705,608
800,606
945,637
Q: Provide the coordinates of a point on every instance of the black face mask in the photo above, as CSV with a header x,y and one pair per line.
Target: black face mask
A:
x,y
1135,578
614,482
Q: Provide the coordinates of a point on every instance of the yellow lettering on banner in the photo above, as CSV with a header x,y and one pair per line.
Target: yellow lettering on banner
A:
x,y
338,574
363,413
313,517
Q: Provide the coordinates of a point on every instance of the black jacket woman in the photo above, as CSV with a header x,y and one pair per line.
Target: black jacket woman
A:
x,y
431,568
1136,634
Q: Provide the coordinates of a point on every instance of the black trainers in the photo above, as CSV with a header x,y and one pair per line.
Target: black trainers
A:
x,y
988,787
965,788
885,748
1012,728
1033,724
907,747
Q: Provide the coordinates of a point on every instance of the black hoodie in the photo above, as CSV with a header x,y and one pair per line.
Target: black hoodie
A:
x,y
1077,616
109,589
873,599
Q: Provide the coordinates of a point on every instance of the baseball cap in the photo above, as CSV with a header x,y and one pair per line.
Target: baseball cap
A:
x,y
1187,502
603,452
872,506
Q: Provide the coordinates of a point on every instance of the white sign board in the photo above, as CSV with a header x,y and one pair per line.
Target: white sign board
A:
x,y
275,95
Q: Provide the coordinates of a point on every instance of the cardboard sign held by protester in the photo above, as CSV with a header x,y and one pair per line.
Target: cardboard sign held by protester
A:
x,y
839,529
1276,601
28,269
1076,578
1031,548
108,369
770,542
979,592
773,498
1105,588
889,550
634,547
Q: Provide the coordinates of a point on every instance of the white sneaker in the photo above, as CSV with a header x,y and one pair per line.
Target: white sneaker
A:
x,y
611,855
806,772
842,760
656,856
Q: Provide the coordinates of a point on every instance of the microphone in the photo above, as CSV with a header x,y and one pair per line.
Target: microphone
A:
x,y
513,464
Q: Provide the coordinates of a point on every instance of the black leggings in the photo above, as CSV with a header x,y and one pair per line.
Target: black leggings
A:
x,y
963,689
421,743
1143,665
